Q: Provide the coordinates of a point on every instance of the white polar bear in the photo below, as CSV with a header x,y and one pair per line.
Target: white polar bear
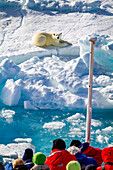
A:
x,y
49,39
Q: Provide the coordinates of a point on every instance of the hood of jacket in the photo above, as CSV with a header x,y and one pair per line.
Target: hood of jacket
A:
x,y
59,158
107,154
73,150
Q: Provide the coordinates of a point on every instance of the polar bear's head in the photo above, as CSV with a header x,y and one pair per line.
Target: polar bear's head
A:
x,y
57,36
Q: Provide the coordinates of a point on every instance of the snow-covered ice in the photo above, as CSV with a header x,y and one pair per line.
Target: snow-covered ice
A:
x,y
51,82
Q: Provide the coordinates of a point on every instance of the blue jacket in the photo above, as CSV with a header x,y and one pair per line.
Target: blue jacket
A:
x,y
29,163
84,146
84,160
9,166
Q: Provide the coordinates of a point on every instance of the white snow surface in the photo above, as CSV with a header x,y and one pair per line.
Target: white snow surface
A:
x,y
53,77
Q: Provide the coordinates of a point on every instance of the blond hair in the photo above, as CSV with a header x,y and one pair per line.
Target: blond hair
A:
x,y
18,162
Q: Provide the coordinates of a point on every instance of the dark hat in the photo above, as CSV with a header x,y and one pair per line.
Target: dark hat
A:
x,y
2,166
90,167
59,144
28,154
76,143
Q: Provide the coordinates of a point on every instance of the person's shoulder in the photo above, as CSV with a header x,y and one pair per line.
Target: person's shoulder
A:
x,y
99,168
9,166
34,167
69,155
29,164
20,167
84,146
40,167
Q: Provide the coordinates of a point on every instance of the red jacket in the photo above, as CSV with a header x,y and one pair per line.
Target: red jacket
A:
x,y
58,159
107,156
94,153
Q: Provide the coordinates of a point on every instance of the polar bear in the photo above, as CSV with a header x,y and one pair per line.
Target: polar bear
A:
x,y
43,39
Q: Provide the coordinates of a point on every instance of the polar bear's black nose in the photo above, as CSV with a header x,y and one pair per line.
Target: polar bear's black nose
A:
x,y
57,37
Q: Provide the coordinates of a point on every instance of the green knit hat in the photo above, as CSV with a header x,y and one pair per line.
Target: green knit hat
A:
x,y
73,165
39,158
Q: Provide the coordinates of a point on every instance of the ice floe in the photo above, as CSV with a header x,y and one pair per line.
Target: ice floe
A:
x,y
54,125
13,151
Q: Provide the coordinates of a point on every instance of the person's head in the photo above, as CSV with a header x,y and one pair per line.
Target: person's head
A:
x,y
73,165
2,166
59,144
39,158
28,154
76,143
90,167
18,162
